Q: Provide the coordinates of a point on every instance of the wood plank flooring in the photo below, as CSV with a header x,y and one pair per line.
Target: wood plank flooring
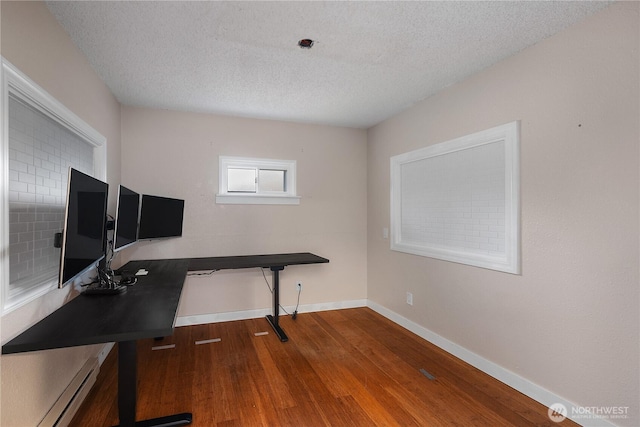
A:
x,y
339,368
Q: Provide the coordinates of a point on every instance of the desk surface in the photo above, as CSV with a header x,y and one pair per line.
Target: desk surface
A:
x,y
251,261
146,310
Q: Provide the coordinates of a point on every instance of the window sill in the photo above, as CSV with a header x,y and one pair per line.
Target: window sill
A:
x,y
26,290
254,199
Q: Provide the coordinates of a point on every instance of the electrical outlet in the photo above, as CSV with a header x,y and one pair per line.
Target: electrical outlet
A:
x,y
298,286
409,298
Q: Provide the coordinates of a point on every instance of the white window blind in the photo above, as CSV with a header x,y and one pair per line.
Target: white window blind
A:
x,y
459,200
40,140
40,153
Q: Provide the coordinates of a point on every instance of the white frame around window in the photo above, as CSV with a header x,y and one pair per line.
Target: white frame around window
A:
x,y
286,197
428,192
14,82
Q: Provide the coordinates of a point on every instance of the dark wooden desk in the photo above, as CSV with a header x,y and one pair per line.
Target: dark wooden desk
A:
x,y
146,310
276,263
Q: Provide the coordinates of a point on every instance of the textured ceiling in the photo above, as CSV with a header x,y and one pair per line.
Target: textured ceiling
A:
x,y
370,61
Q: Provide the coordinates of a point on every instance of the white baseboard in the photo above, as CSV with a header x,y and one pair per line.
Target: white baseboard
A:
x,y
262,312
106,349
524,386
62,412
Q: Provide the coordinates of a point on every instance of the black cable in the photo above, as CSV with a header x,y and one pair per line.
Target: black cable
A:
x,y
266,281
109,255
208,273
295,312
271,290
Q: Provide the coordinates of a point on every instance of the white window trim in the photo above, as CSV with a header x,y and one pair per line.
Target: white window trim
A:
x,y
288,197
14,82
510,262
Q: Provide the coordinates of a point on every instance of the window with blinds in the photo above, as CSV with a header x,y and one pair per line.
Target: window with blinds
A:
x,y
42,139
459,200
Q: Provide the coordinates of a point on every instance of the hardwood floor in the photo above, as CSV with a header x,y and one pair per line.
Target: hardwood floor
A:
x,y
340,368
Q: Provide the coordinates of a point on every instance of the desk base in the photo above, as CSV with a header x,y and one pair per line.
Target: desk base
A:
x,y
277,329
127,396
168,421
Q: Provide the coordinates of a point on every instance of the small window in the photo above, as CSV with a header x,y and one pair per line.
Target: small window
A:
x,y
273,181
241,180
257,181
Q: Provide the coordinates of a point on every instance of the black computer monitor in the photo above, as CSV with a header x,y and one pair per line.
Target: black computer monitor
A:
x,y
84,234
126,224
160,217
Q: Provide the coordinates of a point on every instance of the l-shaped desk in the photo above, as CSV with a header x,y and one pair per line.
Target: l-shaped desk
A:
x,y
276,263
147,310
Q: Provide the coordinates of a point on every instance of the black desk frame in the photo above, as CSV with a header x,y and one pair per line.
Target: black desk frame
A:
x,y
274,319
123,318
109,324
276,263
127,393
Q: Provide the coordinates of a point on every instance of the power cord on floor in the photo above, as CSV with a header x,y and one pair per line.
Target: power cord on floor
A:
x,y
295,312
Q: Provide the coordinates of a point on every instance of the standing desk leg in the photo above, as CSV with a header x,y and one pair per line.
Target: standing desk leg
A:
x,y
127,383
273,320
127,397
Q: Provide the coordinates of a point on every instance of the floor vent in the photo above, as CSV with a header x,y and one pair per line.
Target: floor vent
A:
x,y
427,374
64,409
163,347
212,340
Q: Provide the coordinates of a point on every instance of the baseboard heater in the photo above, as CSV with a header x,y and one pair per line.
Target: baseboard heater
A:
x,y
64,409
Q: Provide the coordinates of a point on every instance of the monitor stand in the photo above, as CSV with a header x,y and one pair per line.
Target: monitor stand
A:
x,y
106,285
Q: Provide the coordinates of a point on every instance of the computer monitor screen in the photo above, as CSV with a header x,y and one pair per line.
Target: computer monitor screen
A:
x,y
83,237
160,217
126,224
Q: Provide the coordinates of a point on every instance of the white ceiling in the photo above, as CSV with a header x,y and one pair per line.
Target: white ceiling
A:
x,y
370,61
